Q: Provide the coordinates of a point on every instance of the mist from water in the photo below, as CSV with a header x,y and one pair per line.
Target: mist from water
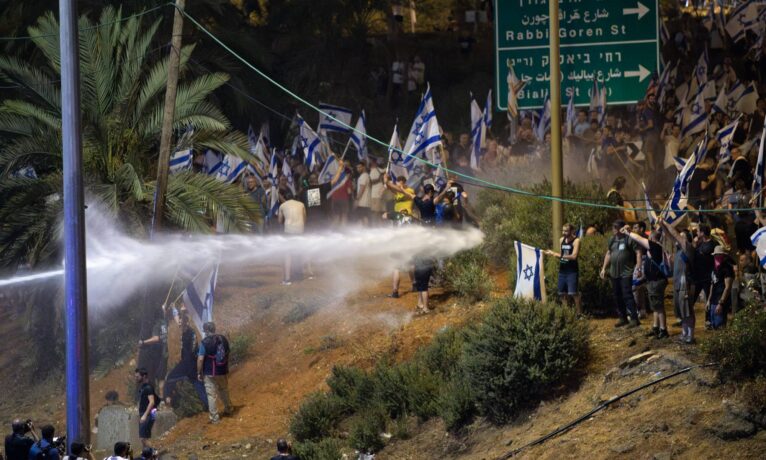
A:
x,y
118,266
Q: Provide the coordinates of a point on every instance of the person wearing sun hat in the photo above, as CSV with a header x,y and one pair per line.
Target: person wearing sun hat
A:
x,y
722,278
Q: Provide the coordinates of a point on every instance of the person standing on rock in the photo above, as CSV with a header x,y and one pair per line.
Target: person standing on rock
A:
x,y
621,258
213,370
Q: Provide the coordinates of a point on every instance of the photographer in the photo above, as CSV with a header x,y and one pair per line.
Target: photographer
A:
x,y
122,451
79,452
17,445
45,448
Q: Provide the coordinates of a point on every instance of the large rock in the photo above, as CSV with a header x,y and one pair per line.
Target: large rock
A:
x,y
119,423
729,427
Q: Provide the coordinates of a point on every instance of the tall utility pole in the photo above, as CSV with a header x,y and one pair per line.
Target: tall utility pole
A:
x,y
75,281
174,62
557,173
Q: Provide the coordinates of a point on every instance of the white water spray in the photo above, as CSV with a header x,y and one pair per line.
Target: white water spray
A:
x,y
118,266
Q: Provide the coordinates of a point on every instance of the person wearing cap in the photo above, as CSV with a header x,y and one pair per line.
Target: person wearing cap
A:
x,y
719,298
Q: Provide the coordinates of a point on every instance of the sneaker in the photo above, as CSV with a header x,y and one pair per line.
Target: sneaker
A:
x,y
689,341
663,334
633,323
286,283
653,332
419,311
622,322
393,295
681,339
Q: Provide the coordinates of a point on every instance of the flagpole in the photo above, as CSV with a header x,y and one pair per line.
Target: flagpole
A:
x,y
348,144
557,167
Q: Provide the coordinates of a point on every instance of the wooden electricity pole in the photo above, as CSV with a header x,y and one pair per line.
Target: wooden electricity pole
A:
x,y
557,173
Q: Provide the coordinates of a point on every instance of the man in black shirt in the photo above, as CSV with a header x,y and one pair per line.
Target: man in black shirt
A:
x,y
702,268
17,445
147,405
186,369
719,298
426,205
317,203
283,451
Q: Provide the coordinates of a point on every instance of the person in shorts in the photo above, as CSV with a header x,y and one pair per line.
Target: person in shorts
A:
x,y
147,406
568,267
656,279
424,268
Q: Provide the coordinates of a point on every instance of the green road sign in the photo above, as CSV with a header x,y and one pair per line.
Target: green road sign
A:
x,y
612,41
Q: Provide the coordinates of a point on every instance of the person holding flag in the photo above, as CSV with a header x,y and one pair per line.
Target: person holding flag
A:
x,y
568,267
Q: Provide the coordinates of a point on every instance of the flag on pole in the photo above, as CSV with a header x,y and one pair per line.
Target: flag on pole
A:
x,y
544,124
650,214
213,162
328,170
199,296
231,168
181,161
514,88
287,171
724,137
694,117
425,132
759,241
747,102
758,179
440,175
359,137
342,182
677,202
310,143
530,275
396,167
702,69
571,114
477,134
721,103
488,112
602,106
334,118
742,19
274,190
258,148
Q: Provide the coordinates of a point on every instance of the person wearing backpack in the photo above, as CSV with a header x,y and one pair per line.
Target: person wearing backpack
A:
x,y
44,448
147,405
656,272
213,370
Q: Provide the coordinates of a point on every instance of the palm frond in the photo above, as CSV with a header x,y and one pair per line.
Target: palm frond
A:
x,y
17,71
155,83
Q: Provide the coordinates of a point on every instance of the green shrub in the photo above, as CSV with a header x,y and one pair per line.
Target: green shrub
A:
x,y
740,348
317,417
407,388
442,355
457,403
366,430
240,345
186,402
519,352
466,274
351,385
390,389
326,449
299,312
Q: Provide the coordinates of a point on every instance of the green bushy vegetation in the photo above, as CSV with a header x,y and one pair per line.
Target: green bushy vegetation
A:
x,y
740,348
240,345
466,274
510,359
326,449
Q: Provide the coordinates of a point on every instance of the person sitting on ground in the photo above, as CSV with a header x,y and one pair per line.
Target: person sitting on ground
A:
x,y
568,267
656,281
719,299
17,444
44,448
283,451
79,452
621,258
122,451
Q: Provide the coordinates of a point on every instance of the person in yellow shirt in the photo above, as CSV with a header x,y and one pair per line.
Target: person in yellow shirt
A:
x,y
404,195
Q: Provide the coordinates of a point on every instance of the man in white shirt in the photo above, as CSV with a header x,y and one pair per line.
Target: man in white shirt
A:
x,y
292,214
363,195
377,203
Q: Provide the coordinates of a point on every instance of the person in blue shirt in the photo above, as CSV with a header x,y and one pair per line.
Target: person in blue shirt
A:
x,y
44,448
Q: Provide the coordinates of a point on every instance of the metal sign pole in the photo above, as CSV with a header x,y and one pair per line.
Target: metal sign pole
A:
x,y
557,173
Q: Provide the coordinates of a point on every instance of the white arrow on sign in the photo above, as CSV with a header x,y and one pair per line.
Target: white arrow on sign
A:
x,y
640,10
641,73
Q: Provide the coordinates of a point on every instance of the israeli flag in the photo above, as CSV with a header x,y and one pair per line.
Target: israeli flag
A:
x,y
359,137
530,274
310,143
478,134
342,182
258,148
594,98
27,172
334,118
677,203
396,157
571,114
440,175
213,163
721,104
545,120
679,163
602,106
758,179
650,214
328,170
180,161
724,137
488,112
747,102
514,88
231,168
425,132
742,19
199,296
695,116
702,69
287,171
759,241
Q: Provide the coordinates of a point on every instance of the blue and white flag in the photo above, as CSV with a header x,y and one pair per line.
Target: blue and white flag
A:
x,y
180,161
27,172
514,88
677,203
287,171
733,94
544,125
748,101
650,213
334,118
274,189
396,167
724,137
571,114
213,163
440,175
694,117
199,296
721,104
328,170
702,69
258,148
231,168
602,106
742,19
530,274
594,98
760,169
759,241
359,137
477,134
310,143
342,182
488,112
425,132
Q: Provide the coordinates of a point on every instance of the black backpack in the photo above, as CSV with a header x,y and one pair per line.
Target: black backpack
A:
x,y
44,451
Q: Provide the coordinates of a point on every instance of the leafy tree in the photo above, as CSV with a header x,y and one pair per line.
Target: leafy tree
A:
x,y
122,96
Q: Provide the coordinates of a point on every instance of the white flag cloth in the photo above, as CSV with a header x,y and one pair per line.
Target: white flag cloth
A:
x,y
396,166
514,88
213,162
310,143
181,161
695,116
759,241
488,113
530,274
747,102
760,169
602,106
334,118
198,296
258,148
287,171
478,133
328,170
724,137
231,168
544,125
741,20
425,132
359,137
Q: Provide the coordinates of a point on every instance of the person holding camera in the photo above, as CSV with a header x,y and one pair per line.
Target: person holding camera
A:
x,y
79,451
45,448
17,444
122,451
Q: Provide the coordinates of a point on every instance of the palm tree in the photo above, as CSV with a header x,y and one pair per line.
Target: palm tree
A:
x,y
123,78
